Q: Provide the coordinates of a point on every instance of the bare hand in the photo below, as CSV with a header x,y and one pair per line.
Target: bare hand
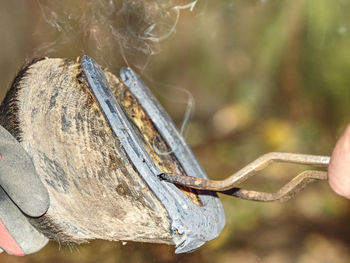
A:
x,y
339,167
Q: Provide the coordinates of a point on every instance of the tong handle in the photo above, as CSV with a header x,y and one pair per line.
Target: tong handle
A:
x,y
285,193
229,185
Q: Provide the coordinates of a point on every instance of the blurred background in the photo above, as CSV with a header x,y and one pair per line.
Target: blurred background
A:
x,y
265,75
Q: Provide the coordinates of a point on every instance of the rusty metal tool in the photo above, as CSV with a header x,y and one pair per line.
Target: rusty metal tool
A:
x,y
229,185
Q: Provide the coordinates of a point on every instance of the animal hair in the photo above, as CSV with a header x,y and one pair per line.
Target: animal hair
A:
x,y
9,107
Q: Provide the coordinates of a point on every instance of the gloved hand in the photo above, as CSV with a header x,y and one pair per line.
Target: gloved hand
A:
x,y
22,195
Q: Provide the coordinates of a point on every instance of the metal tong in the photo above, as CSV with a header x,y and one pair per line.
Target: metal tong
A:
x,y
229,185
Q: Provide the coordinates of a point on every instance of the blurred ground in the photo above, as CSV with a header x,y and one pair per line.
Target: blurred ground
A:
x,y
266,76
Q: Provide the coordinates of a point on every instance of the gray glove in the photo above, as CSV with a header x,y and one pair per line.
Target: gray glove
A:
x,y
22,195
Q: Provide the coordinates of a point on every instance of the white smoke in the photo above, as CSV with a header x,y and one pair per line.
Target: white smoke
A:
x,y
114,32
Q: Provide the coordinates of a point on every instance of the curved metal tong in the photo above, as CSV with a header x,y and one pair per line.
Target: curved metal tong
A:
x,y
229,185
